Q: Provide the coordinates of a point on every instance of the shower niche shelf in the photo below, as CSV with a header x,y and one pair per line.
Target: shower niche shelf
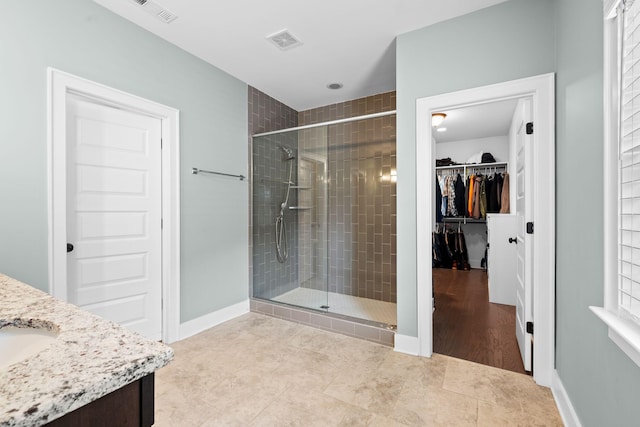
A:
x,y
300,187
299,208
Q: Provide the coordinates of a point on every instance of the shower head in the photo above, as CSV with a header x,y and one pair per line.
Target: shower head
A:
x,y
288,151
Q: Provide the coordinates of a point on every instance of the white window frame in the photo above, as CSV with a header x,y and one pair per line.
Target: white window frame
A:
x,y
622,331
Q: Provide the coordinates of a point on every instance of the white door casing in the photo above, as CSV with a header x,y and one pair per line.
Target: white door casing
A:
x,y
62,86
114,213
524,189
541,91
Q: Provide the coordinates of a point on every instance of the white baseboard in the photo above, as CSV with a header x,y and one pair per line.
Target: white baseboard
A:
x,y
195,326
406,344
567,412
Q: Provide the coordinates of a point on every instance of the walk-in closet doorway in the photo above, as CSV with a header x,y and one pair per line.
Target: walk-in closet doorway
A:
x,y
528,161
474,235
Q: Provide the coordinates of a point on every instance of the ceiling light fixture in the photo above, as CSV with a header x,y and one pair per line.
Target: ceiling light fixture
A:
x,y
437,119
335,86
441,129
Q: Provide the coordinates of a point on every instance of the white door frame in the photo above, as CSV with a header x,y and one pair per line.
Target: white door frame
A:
x,y
59,86
541,90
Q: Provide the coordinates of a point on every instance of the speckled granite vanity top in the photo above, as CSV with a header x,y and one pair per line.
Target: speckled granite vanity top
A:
x,y
90,358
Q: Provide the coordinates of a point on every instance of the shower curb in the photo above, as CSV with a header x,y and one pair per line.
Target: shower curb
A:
x,y
362,329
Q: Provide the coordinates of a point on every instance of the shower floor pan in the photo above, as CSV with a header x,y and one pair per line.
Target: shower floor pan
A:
x,y
346,305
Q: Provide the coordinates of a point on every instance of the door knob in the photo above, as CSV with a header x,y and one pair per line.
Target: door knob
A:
x,y
513,240
69,247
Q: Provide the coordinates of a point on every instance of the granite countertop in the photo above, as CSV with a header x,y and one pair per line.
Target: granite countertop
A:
x,y
90,358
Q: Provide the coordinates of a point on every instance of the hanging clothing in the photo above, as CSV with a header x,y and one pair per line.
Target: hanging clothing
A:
x,y
445,195
451,205
466,196
498,192
504,201
483,198
472,183
476,197
463,258
436,256
438,201
494,187
442,254
459,199
449,250
488,183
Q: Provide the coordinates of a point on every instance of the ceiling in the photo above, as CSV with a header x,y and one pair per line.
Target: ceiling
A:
x,y
350,42
478,121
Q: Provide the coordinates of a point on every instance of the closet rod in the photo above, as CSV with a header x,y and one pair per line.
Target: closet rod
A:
x,y
473,165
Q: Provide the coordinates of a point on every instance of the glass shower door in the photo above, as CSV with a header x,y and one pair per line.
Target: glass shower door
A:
x,y
312,217
289,218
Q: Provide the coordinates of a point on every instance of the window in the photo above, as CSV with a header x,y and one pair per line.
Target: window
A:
x,y
621,310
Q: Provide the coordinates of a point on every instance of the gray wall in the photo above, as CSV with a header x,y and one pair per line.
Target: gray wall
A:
x,y
516,39
505,42
82,38
603,383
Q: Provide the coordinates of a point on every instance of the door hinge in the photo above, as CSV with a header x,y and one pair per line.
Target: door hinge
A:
x,y
530,328
161,223
530,228
529,128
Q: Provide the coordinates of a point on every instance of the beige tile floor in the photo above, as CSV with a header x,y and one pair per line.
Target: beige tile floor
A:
x,y
261,371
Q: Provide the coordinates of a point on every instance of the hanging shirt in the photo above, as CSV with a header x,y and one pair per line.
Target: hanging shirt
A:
x,y
476,197
498,191
504,199
438,201
460,193
472,180
445,194
451,206
483,198
490,185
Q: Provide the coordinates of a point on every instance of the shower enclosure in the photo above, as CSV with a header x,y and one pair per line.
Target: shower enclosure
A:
x,y
323,217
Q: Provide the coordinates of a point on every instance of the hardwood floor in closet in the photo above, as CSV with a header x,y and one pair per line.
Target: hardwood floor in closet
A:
x,y
467,326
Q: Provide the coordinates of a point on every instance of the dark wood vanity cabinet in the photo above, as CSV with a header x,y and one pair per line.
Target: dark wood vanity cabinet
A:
x,y
129,406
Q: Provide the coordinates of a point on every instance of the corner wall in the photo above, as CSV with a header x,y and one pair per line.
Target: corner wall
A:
x,y
508,41
84,39
601,381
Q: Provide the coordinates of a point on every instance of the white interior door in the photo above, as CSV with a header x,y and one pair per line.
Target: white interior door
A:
x,y
114,215
524,191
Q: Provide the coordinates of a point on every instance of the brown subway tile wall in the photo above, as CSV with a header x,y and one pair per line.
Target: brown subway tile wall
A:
x,y
357,248
267,114
268,277
362,197
357,107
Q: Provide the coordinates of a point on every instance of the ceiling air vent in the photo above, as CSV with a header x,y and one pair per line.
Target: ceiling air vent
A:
x,y
284,40
157,10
